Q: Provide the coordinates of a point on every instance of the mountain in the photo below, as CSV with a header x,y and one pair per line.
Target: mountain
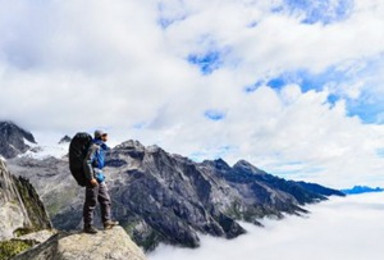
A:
x,y
21,209
65,139
163,197
112,244
361,189
14,140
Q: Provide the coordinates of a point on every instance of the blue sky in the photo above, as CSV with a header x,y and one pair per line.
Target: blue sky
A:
x,y
368,107
271,82
325,11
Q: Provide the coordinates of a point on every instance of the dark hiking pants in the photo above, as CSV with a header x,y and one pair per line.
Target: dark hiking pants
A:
x,y
92,195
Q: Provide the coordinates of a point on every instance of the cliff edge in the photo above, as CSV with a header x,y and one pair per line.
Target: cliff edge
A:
x,y
113,244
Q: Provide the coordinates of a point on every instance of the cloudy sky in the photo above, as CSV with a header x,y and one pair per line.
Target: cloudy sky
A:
x,y
343,228
293,86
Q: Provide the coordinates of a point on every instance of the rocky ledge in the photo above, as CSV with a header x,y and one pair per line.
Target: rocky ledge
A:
x,y
113,244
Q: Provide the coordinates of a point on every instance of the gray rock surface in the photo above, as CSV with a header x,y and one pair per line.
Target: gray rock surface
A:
x,y
114,244
21,209
39,236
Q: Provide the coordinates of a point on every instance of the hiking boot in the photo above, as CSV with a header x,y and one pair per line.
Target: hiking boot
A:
x,y
90,230
110,224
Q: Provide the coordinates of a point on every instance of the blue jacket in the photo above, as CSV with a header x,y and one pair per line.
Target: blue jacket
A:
x,y
94,162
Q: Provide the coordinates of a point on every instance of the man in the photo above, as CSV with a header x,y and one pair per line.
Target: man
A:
x,y
96,189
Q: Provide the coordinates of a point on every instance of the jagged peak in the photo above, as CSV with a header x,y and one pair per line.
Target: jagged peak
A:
x,y
5,123
7,126
218,163
65,139
135,144
243,164
14,140
154,148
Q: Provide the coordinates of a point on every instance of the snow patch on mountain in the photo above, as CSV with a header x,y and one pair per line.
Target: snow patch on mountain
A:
x,y
45,150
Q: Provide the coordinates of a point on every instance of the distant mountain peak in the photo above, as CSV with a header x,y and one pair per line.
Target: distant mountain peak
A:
x,y
14,139
65,139
359,189
217,163
243,164
7,127
221,163
134,144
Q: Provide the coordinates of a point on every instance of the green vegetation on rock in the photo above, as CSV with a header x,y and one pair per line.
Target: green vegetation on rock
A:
x,y
9,248
23,231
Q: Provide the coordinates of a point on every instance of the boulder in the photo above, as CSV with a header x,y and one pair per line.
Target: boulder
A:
x,y
113,244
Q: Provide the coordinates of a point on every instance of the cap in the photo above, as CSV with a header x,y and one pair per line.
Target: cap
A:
x,y
99,134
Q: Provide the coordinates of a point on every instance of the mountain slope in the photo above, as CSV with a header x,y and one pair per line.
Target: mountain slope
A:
x,y
13,139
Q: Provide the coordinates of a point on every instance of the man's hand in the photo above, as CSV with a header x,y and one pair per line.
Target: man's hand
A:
x,y
94,182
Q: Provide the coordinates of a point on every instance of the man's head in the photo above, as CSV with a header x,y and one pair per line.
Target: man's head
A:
x,y
100,134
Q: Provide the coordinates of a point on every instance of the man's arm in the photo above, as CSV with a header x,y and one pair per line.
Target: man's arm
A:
x,y
89,158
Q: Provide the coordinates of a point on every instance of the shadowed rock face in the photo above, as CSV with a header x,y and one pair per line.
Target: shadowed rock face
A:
x,y
21,209
162,197
12,139
112,244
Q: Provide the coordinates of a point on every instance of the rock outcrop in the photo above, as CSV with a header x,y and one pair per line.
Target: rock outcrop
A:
x,y
23,219
13,140
114,244
21,210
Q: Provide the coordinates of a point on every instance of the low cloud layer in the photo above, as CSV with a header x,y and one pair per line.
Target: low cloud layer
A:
x,y
343,228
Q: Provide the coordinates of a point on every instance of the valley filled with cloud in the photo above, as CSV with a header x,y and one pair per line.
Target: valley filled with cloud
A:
x,y
342,228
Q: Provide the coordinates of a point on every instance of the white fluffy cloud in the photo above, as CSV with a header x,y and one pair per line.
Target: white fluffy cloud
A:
x,y
123,65
349,228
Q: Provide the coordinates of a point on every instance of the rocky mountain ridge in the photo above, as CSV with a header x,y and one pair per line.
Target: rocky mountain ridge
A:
x,y
162,197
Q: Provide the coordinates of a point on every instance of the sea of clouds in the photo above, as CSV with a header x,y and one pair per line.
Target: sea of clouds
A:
x,y
343,228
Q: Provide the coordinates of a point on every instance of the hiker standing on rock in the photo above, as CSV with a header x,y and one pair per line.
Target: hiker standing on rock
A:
x,y
96,189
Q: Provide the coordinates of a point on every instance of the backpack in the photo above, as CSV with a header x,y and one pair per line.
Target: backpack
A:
x,y
78,149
